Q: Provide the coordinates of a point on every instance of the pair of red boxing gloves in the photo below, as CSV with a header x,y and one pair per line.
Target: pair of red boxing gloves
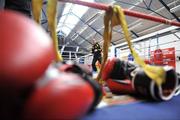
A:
x,y
128,78
31,85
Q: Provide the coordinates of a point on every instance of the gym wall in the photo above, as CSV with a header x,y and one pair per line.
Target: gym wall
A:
x,y
144,48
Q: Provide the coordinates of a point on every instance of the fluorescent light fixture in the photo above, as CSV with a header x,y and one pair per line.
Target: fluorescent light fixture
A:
x,y
175,9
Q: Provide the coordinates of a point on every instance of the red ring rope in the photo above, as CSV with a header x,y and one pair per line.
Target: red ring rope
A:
x,y
126,12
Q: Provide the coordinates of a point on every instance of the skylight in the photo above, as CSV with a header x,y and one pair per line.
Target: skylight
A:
x,y
68,21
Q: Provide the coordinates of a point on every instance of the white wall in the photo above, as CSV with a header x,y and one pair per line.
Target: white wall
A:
x,y
142,48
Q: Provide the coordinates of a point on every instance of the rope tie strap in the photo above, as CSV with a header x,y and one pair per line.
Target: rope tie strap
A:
x,y
51,17
113,17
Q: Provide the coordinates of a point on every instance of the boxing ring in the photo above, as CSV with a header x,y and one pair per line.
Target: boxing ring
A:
x,y
138,109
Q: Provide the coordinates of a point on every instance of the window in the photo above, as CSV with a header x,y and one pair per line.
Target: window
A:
x,y
68,21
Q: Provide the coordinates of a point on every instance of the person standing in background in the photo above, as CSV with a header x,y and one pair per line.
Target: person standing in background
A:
x,y
22,6
96,51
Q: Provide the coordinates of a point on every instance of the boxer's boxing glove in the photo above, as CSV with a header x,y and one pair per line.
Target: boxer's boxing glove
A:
x,y
61,95
86,74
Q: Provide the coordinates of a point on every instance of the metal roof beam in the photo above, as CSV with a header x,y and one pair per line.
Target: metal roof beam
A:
x,y
176,36
90,26
140,20
130,4
149,8
86,50
134,33
78,34
87,24
173,14
146,8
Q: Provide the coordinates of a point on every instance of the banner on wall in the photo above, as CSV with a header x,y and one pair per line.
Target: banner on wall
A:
x,y
164,57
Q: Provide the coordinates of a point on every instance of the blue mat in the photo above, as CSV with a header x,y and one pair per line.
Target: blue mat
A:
x,y
169,110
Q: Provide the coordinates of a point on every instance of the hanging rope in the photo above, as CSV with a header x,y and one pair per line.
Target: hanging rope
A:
x,y
36,9
51,16
107,38
113,17
52,21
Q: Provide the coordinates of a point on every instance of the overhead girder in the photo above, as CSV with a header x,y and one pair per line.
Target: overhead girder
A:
x,y
148,6
89,26
134,33
78,34
173,14
138,19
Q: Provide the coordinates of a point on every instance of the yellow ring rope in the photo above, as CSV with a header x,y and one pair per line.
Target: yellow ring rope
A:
x,y
36,9
51,16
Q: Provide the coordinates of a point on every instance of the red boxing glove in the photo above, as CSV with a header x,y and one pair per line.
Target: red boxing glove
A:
x,y
61,95
26,51
86,74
